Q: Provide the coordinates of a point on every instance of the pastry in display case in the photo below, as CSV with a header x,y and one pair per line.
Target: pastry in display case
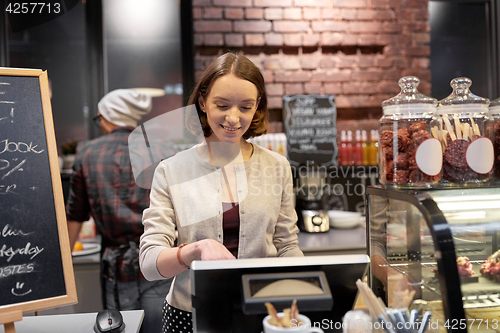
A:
x,y
444,246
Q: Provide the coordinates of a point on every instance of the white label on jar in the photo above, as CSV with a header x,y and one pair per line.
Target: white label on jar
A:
x,y
429,157
480,155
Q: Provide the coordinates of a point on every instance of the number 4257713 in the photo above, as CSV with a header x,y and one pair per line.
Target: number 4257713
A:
x,y
33,8
471,324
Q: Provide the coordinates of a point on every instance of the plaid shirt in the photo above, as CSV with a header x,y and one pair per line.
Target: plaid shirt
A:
x,y
102,185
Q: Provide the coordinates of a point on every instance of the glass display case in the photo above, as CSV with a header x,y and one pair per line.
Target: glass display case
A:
x,y
441,244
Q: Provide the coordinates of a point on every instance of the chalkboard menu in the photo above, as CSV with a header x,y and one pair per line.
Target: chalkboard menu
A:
x,y
311,129
36,269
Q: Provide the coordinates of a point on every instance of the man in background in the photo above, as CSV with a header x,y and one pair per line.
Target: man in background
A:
x,y
102,186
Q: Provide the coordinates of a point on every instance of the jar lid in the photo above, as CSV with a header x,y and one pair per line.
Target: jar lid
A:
x,y
495,106
409,99
462,99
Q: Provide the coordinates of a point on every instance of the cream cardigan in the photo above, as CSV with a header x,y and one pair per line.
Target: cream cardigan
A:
x,y
186,195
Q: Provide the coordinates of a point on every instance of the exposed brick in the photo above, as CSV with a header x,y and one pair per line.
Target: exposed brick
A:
x,y
268,76
273,39
235,40
365,14
212,26
197,13
420,14
331,13
198,39
201,3
233,3
332,89
385,3
369,88
366,61
273,13
311,39
272,3
328,61
420,63
422,38
366,39
386,39
350,3
385,14
391,27
275,89
367,75
349,14
332,76
384,62
312,88
290,63
392,50
274,102
419,26
257,61
310,61
292,14
212,13
233,13
362,26
254,39
425,88
294,89
353,101
350,39
329,26
312,3
415,3
290,26
254,13
328,38
352,88
419,51
391,75
388,87
311,13
346,61
213,39
272,62
252,26
292,76
292,39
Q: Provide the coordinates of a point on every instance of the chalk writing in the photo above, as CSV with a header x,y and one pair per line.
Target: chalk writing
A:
x,y
4,189
19,286
6,164
11,116
16,269
12,147
9,231
27,250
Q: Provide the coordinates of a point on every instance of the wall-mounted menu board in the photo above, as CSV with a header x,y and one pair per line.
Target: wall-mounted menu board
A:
x,y
311,129
36,270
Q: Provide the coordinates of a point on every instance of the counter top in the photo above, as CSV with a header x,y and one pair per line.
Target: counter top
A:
x,y
334,241
331,242
75,323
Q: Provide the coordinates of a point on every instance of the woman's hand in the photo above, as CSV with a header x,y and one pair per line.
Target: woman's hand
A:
x,y
212,250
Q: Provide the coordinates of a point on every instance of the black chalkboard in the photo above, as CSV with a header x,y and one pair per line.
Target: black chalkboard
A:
x,y
35,260
311,128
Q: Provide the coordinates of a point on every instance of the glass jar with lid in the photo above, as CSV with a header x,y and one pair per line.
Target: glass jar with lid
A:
x,y
410,153
467,149
495,136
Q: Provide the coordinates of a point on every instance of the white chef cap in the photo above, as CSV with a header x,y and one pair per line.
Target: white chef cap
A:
x,y
124,107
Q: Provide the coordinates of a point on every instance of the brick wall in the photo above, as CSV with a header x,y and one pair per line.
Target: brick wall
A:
x,y
354,49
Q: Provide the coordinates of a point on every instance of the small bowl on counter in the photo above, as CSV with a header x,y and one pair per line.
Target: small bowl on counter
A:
x,y
340,219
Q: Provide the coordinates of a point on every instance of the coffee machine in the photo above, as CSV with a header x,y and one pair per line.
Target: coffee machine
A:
x,y
312,216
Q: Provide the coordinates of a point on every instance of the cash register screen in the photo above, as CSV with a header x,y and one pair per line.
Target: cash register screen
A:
x,y
216,289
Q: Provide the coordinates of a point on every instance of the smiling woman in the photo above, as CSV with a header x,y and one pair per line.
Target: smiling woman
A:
x,y
211,194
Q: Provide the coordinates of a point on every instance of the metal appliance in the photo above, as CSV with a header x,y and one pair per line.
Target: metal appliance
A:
x,y
312,215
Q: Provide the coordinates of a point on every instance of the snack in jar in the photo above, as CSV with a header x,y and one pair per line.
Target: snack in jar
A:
x,y
467,150
410,153
495,135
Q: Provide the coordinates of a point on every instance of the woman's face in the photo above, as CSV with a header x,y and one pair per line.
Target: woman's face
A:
x,y
230,106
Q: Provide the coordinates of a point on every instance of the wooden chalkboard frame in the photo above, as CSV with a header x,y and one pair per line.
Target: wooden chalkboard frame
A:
x,y
67,264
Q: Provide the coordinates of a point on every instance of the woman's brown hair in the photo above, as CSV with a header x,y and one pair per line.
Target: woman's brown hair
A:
x,y
240,66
